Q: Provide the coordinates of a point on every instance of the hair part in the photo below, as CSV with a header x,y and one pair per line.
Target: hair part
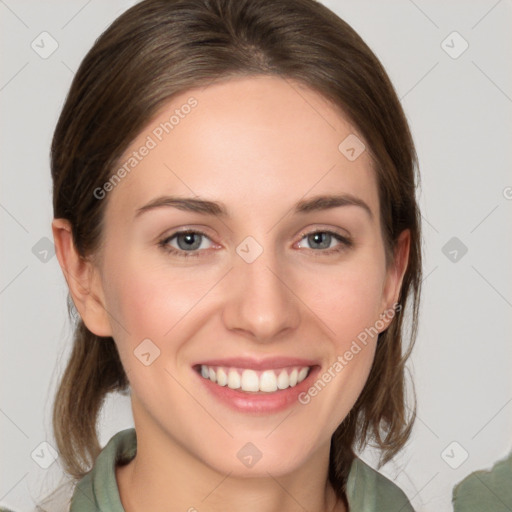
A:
x,y
160,48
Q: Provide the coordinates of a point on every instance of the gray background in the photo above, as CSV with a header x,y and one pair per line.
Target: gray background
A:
x,y
459,108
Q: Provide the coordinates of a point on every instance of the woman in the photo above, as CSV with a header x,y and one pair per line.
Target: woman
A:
x,y
205,148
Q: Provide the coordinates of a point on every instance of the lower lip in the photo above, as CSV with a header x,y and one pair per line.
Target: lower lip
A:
x,y
261,402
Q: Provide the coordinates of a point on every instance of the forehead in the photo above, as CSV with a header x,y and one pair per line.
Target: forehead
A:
x,y
252,142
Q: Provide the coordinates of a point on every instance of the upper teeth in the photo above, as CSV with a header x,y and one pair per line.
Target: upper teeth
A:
x,y
251,380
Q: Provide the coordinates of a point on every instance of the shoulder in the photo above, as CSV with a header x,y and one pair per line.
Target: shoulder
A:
x,y
485,490
98,490
370,491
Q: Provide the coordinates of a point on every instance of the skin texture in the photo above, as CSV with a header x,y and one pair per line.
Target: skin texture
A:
x,y
258,145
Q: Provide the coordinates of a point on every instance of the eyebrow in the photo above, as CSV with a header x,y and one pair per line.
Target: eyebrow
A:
x,y
218,209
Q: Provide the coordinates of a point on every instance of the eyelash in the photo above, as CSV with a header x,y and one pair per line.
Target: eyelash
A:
x,y
346,243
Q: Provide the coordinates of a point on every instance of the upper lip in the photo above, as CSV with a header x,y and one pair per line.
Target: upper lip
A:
x,y
259,364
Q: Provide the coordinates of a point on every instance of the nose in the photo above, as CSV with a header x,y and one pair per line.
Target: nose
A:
x,y
262,302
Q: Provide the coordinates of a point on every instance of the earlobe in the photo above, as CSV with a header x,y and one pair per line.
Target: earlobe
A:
x,y
83,280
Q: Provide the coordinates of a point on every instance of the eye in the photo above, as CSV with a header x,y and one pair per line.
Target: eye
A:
x,y
322,240
187,243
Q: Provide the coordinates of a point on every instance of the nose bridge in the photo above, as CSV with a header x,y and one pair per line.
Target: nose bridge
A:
x,y
261,302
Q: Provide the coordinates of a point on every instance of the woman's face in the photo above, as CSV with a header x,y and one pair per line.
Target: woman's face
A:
x,y
252,294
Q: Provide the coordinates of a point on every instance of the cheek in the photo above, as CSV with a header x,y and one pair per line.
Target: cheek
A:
x,y
149,301
350,311
149,312
349,299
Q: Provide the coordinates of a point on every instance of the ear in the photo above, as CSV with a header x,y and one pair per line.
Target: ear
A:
x,y
395,275
83,280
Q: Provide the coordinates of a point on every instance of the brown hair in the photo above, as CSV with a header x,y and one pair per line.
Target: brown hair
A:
x,y
159,48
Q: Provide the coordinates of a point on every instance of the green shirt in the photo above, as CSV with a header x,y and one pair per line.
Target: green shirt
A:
x,y
367,490
489,491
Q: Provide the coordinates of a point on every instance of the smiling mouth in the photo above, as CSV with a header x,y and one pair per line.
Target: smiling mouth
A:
x,y
254,381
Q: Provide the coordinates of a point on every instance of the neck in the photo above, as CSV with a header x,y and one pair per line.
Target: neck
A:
x,y
228,493
157,479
